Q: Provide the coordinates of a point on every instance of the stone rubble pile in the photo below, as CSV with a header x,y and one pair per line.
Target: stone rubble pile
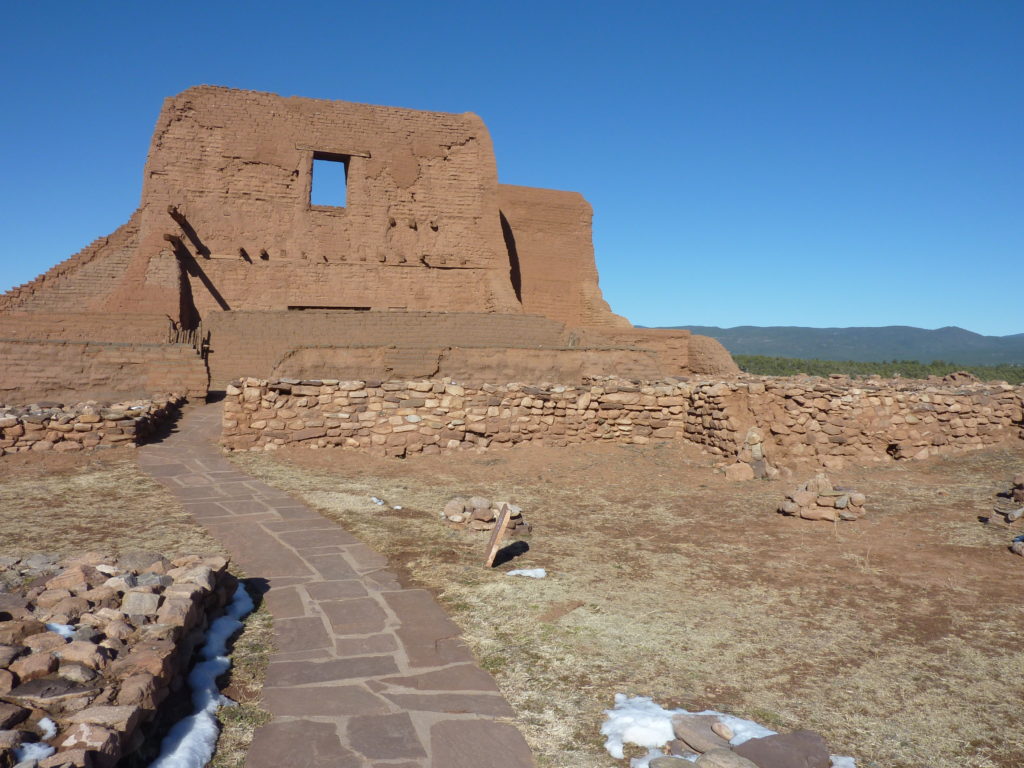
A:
x,y
1017,491
819,499
480,514
706,738
89,653
55,427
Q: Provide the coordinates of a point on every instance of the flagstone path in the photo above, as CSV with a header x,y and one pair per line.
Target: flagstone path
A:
x,y
366,674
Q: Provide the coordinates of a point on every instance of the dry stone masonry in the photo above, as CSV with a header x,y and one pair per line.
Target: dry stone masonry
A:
x,y
89,652
48,426
480,514
819,499
755,425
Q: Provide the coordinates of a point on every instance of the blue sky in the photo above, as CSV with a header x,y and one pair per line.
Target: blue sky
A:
x,y
749,163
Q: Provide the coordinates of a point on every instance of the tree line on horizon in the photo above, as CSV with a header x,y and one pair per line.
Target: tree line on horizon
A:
x,y
761,365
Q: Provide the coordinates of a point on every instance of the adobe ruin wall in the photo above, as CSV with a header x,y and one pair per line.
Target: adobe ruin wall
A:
x,y
64,371
227,240
761,422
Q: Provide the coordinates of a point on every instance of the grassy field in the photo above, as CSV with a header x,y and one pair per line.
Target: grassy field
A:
x,y
897,637
102,502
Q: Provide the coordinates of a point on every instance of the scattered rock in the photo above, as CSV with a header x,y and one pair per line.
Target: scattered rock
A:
x,y
724,758
696,731
819,499
799,749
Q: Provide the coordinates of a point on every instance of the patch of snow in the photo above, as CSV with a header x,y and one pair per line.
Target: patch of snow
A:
x,y
190,743
64,630
49,728
38,750
842,762
638,720
378,502
532,573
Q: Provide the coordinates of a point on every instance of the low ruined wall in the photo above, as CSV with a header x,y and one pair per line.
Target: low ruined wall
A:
x,y
97,648
759,422
86,425
74,370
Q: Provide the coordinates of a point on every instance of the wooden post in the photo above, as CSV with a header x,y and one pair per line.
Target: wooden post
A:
x,y
500,528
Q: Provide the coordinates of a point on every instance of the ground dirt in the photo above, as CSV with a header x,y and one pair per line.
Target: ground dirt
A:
x,y
897,636
101,501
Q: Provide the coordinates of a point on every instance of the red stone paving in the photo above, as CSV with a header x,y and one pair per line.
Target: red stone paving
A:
x,y
365,674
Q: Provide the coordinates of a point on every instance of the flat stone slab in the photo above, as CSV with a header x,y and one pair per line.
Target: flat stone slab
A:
x,y
480,744
285,673
300,743
385,737
365,673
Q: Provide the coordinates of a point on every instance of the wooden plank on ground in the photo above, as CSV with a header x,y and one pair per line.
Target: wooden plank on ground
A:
x,y
500,527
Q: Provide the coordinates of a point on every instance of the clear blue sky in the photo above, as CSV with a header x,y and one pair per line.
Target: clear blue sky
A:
x,y
816,163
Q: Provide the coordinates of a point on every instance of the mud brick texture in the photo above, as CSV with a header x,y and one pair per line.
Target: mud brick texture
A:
x,y
425,266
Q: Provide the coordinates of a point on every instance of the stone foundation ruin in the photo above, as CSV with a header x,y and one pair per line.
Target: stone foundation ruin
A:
x,y
754,424
421,265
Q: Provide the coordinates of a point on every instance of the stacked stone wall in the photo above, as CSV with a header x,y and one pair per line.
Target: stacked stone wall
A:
x,y
98,649
767,421
74,370
64,429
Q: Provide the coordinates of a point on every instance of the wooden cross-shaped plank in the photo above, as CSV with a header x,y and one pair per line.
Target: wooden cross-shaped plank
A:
x,y
500,527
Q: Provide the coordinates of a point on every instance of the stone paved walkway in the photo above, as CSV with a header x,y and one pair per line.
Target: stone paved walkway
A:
x,y
366,674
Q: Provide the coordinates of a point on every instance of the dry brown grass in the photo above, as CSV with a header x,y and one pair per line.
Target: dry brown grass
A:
x,y
103,502
897,637
92,502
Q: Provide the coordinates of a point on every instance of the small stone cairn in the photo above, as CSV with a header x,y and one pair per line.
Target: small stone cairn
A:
x,y
479,514
707,738
89,651
818,499
1017,491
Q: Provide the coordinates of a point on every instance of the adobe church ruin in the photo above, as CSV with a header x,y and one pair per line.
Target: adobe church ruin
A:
x,y
425,266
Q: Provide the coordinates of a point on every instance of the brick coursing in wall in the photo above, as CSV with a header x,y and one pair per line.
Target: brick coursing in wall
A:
x,y
70,371
225,236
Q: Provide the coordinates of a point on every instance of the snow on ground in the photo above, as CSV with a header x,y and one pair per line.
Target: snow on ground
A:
x,y
64,630
639,720
190,743
533,573
38,750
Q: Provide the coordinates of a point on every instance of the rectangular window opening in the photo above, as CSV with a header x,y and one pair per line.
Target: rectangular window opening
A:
x,y
330,180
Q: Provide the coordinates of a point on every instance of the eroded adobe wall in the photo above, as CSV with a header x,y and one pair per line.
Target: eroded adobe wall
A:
x,y
258,341
81,283
419,229
85,326
466,364
70,371
548,236
680,352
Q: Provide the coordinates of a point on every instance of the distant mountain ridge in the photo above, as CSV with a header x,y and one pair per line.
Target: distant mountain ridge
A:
x,y
892,342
